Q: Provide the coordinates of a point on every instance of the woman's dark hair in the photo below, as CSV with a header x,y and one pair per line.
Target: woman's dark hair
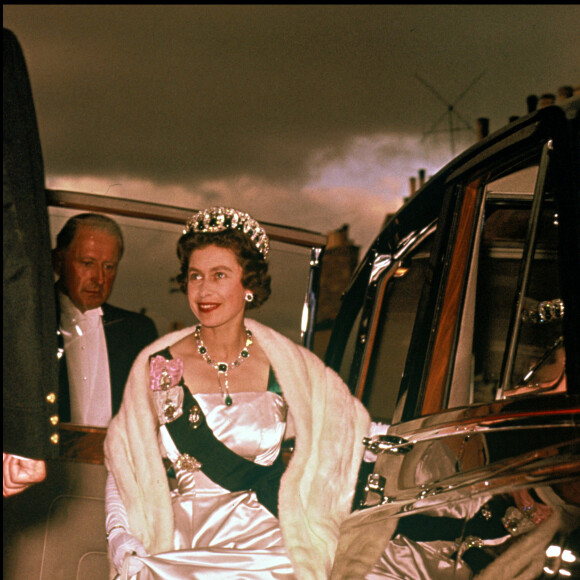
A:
x,y
255,275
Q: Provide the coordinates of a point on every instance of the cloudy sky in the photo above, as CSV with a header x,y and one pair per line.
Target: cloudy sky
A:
x,y
312,116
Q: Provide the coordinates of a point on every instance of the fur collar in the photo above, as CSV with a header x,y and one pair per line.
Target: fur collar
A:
x,y
317,488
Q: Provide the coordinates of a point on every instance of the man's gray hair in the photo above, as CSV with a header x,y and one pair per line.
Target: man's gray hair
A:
x,y
95,221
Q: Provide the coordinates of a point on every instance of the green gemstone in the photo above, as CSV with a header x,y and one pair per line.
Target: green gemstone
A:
x,y
222,367
202,349
245,354
228,401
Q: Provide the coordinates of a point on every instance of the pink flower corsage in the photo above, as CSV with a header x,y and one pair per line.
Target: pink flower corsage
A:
x,y
167,394
164,373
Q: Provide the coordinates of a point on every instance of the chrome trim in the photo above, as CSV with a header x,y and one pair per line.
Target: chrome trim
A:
x,y
387,444
413,239
531,469
375,484
488,417
315,256
380,263
310,299
557,464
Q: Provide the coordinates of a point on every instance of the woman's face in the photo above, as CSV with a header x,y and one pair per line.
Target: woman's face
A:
x,y
214,286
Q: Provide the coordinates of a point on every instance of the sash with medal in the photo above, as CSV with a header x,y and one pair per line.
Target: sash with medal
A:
x,y
194,438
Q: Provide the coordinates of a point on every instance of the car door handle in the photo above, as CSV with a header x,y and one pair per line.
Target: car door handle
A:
x,y
387,444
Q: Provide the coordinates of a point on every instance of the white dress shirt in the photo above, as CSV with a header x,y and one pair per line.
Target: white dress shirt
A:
x,y
87,364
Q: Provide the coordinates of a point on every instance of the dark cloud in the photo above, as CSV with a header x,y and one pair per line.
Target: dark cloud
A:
x,y
180,94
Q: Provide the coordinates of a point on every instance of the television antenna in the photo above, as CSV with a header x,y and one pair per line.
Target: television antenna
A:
x,y
450,112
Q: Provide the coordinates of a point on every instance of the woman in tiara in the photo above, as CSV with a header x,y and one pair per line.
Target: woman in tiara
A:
x,y
197,487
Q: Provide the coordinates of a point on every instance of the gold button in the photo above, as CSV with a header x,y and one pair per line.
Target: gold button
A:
x,y
54,438
54,420
51,397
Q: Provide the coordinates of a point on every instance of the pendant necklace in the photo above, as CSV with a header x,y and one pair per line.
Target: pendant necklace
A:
x,y
223,368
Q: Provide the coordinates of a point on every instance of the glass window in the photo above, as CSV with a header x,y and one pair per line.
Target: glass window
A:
x,y
399,292
346,370
538,359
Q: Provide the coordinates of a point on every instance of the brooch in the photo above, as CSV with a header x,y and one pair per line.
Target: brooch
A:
x,y
195,417
188,463
165,376
518,522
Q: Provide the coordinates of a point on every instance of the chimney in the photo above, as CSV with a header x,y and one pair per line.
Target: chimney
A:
x,y
412,186
482,128
422,173
341,257
532,103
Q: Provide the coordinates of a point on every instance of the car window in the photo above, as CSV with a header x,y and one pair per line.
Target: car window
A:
x,y
535,363
539,359
399,292
346,370
373,351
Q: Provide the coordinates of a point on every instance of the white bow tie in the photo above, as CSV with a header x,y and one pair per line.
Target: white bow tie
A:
x,y
86,320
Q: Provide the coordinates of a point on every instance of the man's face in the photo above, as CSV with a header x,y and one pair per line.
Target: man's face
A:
x,y
87,268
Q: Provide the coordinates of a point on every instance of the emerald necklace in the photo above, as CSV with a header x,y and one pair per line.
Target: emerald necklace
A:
x,y
223,368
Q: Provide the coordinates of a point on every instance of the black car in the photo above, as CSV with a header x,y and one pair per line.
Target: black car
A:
x,y
460,332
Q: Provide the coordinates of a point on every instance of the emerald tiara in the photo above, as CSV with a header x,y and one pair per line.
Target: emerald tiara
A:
x,y
219,219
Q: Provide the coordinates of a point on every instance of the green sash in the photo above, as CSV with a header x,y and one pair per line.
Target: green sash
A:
x,y
220,463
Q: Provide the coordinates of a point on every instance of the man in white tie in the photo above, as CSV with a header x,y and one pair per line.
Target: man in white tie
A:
x,y
99,341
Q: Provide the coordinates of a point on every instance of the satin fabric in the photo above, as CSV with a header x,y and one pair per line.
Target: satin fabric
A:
x,y
219,533
405,558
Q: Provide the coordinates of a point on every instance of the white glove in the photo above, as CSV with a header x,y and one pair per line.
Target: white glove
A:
x,y
121,542
123,545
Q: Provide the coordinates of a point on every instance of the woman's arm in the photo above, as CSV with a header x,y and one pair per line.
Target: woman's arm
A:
x,y
121,541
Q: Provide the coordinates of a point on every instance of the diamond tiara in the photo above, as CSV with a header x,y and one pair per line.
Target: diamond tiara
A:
x,y
219,219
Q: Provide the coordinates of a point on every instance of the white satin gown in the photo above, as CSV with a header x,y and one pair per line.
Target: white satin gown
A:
x,y
218,533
